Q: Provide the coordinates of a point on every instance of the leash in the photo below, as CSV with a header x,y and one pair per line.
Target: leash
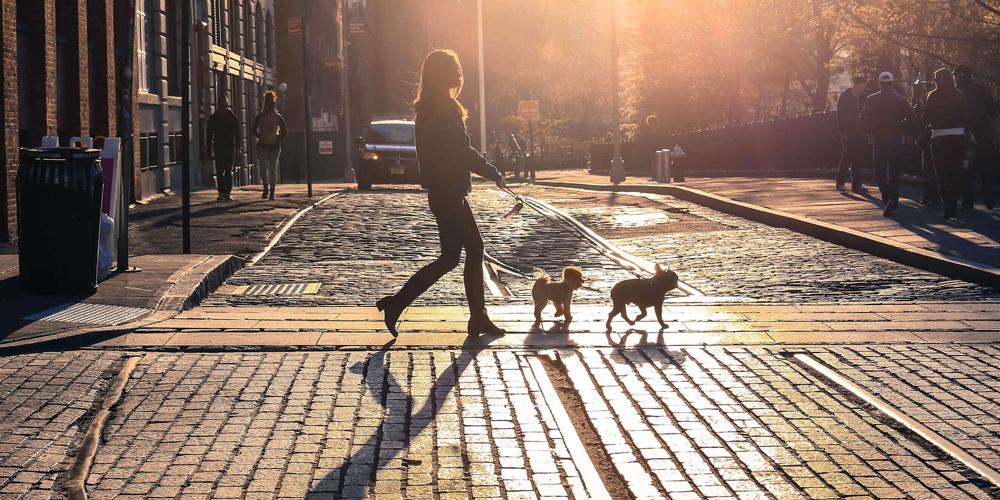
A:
x,y
519,204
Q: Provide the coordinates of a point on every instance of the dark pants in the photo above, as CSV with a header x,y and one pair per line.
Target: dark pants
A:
x,y
887,167
949,151
984,165
928,170
457,229
850,159
224,171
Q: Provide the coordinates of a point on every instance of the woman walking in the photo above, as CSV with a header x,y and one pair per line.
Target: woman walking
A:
x,y
446,158
948,118
269,128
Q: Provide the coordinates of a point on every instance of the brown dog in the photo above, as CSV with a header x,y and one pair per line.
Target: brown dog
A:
x,y
643,293
560,294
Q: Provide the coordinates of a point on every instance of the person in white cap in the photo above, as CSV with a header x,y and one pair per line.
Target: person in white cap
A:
x,y
885,119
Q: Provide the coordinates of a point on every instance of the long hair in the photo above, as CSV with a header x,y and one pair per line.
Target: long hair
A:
x,y
944,82
270,98
437,79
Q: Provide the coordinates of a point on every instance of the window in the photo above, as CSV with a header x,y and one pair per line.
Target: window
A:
x,y
391,133
148,150
174,49
248,45
144,50
175,143
217,23
233,22
258,18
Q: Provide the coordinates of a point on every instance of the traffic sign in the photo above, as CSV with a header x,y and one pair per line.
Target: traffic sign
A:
x,y
527,110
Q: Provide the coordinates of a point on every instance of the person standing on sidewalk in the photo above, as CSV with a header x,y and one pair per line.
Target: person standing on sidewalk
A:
x,y
269,129
984,123
885,119
848,109
946,114
224,141
447,159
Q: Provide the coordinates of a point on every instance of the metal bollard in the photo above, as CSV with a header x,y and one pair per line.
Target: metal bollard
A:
x,y
665,169
658,160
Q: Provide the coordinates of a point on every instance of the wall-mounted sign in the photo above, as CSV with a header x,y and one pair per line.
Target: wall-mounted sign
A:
x,y
326,147
295,26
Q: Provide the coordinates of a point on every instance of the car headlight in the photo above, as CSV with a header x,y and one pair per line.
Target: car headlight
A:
x,y
368,155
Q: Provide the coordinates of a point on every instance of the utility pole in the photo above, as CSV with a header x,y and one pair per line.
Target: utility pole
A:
x,y
307,101
346,100
617,164
482,85
186,125
125,131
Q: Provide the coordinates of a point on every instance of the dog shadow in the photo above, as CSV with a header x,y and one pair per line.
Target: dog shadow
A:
x,y
643,338
560,330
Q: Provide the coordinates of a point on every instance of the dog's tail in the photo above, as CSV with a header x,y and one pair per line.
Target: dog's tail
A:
x,y
542,277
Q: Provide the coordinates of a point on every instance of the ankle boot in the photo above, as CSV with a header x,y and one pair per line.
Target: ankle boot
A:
x,y
271,197
392,312
483,324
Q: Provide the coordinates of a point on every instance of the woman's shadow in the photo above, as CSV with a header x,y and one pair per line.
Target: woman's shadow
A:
x,y
370,452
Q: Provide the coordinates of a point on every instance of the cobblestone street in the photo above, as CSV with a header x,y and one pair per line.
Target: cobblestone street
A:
x,y
305,395
364,245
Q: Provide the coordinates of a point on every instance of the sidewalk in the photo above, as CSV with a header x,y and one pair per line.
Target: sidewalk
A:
x,y
972,237
223,236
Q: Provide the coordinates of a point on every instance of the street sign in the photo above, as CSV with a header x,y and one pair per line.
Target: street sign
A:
x,y
295,26
326,147
527,110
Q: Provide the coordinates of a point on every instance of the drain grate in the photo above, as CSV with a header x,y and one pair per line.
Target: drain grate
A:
x,y
277,289
92,314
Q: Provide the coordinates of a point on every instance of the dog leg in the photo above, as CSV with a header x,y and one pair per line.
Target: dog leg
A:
x,y
642,314
625,316
658,309
560,308
614,312
538,310
569,301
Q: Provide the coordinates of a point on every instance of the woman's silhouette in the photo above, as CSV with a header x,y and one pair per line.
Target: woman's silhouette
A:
x,y
446,158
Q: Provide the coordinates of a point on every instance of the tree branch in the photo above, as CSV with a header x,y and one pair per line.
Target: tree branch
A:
x,y
983,4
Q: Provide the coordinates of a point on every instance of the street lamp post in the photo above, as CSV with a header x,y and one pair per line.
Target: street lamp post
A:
x,y
307,101
617,164
482,84
346,101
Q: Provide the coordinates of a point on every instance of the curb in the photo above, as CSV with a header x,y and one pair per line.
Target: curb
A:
x,y
927,260
186,288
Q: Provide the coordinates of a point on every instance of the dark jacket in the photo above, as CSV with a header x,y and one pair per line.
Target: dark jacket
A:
x,y
886,116
282,132
223,131
445,153
945,111
848,110
982,111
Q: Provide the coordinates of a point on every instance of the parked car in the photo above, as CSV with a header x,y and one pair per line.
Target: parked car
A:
x,y
389,154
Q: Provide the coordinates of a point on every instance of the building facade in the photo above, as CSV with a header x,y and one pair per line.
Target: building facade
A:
x,y
63,65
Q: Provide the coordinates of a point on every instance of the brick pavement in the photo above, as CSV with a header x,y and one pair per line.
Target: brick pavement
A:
x,y
676,422
44,403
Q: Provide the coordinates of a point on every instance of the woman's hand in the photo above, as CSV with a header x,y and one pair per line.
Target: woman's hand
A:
x,y
502,183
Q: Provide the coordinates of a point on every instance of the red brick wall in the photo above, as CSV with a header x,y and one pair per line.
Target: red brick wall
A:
x,y
102,90
8,211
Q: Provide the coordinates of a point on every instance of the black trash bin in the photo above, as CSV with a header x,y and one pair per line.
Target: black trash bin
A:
x,y
59,194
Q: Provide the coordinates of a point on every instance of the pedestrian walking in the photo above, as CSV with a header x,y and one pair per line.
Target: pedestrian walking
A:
x,y
984,123
946,115
514,155
224,141
269,129
885,120
498,156
447,159
848,110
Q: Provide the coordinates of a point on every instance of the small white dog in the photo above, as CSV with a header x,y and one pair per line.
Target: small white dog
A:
x,y
560,294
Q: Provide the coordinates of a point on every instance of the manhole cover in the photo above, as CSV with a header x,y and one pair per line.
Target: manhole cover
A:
x,y
93,314
277,289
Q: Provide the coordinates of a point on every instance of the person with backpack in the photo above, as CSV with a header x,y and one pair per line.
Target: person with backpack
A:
x,y
269,128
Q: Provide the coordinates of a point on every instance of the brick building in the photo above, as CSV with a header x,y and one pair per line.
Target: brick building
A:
x,y
62,70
